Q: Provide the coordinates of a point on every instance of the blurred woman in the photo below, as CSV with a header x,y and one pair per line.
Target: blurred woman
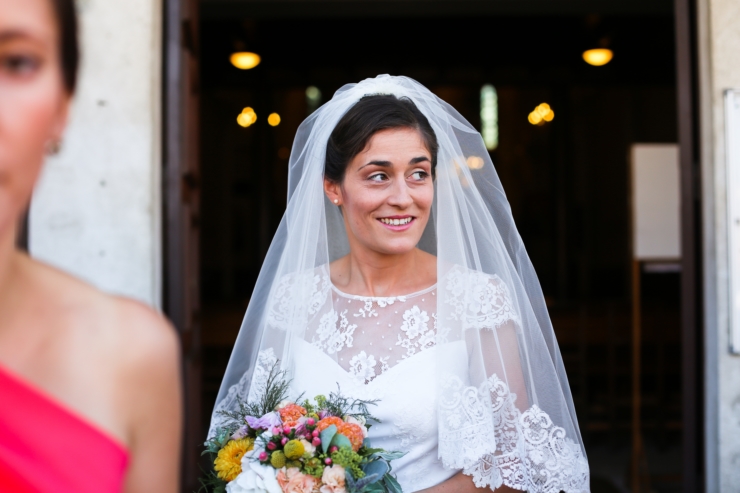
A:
x,y
89,383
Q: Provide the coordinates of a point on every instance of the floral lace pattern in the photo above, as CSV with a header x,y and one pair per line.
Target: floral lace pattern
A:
x,y
478,300
288,311
331,337
417,334
530,452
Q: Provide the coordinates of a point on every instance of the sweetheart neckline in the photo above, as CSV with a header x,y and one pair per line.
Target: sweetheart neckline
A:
x,y
352,379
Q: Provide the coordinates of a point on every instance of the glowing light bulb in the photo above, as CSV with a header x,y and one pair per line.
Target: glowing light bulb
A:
x,y
598,56
542,109
475,162
247,117
245,60
273,119
534,118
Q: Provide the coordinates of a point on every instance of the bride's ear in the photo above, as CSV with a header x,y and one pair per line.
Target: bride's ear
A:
x,y
333,191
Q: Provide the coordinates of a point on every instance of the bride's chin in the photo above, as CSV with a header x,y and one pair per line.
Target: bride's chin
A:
x,y
395,248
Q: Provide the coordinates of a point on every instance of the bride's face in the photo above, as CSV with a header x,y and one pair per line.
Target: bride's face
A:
x,y
387,192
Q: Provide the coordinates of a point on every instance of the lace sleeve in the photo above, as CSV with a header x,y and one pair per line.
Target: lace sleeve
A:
x,y
478,300
296,297
492,429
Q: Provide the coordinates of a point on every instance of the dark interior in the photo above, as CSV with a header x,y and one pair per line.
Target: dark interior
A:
x,y
567,180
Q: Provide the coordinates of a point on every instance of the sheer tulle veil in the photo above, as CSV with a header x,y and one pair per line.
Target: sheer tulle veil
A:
x,y
509,417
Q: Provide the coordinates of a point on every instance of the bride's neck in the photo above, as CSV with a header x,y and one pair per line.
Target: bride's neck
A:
x,y
371,274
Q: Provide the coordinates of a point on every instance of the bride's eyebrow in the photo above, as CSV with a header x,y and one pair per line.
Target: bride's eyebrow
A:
x,y
385,164
419,159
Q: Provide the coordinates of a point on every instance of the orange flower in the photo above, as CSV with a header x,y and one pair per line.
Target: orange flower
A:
x,y
327,422
291,413
354,433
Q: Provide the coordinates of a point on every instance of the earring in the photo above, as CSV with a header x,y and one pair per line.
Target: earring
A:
x,y
336,201
53,147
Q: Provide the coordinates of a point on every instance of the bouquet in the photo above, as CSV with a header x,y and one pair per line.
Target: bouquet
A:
x,y
307,446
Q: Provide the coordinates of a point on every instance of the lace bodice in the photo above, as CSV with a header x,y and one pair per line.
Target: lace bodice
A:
x,y
367,336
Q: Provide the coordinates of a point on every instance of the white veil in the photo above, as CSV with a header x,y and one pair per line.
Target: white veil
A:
x,y
510,420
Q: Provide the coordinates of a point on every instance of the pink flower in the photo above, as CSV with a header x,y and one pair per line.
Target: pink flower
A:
x,y
333,479
292,480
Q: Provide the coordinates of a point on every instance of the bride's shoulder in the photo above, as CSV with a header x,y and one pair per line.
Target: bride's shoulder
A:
x,y
452,275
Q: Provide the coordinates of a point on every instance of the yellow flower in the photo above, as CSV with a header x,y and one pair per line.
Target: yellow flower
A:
x,y
277,459
294,449
228,464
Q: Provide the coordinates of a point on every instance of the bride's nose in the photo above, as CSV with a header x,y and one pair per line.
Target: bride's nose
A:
x,y
400,195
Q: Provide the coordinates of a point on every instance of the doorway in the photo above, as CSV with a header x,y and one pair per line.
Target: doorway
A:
x,y
567,180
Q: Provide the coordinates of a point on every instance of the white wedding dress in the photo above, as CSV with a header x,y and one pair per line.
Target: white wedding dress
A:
x,y
384,349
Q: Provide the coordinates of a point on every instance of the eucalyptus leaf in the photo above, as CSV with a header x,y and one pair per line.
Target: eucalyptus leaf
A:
x,y
376,487
390,455
327,436
339,440
392,484
377,467
361,484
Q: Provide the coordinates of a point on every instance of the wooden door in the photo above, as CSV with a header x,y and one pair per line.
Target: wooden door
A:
x,y
181,213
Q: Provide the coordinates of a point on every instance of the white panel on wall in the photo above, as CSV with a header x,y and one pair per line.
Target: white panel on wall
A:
x,y
732,141
656,206
96,211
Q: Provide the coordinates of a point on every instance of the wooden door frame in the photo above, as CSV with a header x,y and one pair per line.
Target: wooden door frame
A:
x,y
685,18
181,211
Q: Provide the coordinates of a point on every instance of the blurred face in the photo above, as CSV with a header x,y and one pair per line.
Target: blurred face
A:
x,y
33,101
387,193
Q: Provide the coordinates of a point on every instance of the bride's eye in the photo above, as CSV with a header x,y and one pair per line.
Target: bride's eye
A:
x,y
377,177
419,175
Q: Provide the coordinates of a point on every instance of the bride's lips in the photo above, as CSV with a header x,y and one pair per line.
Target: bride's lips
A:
x,y
397,223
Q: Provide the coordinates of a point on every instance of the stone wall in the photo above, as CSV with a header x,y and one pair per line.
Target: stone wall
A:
x,y
719,59
96,212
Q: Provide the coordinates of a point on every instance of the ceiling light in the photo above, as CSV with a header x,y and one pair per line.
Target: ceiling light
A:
x,y
246,117
598,56
245,59
273,119
475,162
541,114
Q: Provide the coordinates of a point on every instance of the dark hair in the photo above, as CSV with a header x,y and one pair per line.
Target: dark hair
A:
x,y
69,50
368,116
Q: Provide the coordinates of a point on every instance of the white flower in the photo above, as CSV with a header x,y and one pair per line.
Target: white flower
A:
x,y
362,367
414,322
254,478
308,447
334,480
282,404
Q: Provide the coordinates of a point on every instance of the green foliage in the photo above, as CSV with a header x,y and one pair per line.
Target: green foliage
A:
x,y
314,467
350,461
276,391
339,405
211,483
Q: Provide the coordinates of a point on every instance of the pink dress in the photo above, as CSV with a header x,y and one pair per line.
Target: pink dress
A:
x,y
45,448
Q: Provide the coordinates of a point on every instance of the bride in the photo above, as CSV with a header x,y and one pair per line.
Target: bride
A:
x,y
397,274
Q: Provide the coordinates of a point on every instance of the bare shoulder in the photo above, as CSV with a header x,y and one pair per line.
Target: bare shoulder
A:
x,y
123,322
143,334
